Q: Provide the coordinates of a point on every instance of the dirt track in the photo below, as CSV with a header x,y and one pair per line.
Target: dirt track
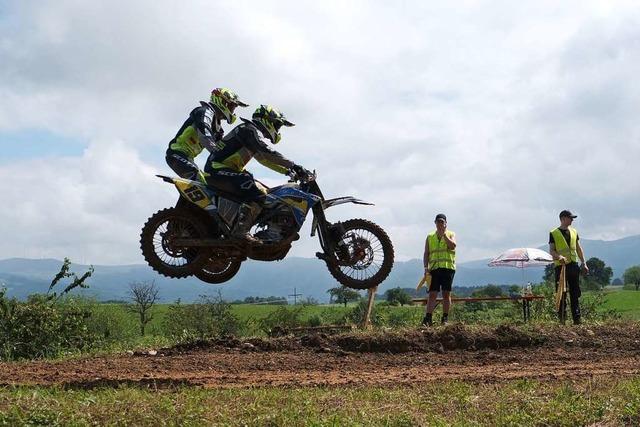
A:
x,y
351,359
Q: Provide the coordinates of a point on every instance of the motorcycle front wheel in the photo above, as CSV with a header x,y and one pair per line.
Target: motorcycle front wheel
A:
x,y
364,255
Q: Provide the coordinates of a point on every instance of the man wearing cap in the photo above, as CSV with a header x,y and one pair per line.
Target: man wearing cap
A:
x,y
440,261
564,246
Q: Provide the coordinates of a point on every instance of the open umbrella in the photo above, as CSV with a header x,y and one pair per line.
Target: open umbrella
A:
x,y
522,258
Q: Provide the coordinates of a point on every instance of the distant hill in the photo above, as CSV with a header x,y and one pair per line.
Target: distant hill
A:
x,y
309,276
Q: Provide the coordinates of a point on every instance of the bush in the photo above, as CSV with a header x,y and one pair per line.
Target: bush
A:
x,y
281,319
46,325
591,307
210,318
315,320
113,323
41,327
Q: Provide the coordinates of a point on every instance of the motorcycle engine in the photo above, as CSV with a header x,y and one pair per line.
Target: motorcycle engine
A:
x,y
277,228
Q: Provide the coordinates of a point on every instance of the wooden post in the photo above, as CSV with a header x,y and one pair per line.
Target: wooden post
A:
x,y
366,322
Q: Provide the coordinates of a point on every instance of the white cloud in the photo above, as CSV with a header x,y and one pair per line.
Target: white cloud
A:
x,y
89,208
498,114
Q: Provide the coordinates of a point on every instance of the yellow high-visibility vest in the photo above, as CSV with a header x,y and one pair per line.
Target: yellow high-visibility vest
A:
x,y
570,251
440,256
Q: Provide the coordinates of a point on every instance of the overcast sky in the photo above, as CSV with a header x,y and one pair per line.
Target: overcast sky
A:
x,y
497,113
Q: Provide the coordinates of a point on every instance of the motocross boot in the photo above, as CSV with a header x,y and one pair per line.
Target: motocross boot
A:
x,y
247,214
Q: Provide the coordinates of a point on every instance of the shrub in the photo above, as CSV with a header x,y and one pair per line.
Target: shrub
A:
x,y
112,322
281,319
209,318
46,325
41,327
315,319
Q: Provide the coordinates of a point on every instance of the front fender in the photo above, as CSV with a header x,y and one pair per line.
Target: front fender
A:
x,y
341,200
334,202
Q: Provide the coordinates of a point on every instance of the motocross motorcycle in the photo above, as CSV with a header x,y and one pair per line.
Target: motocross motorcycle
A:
x,y
194,237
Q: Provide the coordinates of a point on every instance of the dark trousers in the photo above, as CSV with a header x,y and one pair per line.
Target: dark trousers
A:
x,y
182,165
573,283
240,184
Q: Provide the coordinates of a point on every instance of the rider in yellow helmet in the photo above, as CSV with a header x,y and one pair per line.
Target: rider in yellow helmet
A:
x,y
201,130
225,168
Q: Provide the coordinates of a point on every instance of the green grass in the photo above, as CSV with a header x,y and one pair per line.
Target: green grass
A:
x,y
626,302
126,335
521,402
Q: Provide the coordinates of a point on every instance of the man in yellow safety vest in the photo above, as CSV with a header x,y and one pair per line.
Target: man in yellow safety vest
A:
x,y
564,246
440,261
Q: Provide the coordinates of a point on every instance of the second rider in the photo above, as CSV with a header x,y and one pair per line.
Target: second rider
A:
x,y
224,169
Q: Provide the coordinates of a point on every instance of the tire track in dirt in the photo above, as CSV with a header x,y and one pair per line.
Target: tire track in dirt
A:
x,y
233,368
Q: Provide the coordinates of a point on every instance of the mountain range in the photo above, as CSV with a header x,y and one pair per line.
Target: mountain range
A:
x,y
308,276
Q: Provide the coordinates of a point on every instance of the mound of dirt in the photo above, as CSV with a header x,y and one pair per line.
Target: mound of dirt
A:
x,y
380,358
439,339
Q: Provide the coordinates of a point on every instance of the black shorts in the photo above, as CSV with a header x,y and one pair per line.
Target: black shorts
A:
x,y
441,280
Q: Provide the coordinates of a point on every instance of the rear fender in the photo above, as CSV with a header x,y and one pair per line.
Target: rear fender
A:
x,y
194,191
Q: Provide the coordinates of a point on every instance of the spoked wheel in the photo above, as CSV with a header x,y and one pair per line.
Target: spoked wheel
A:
x,y
158,235
365,255
218,269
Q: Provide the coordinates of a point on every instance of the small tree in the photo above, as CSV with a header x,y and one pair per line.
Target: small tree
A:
x,y
397,295
144,296
343,295
64,273
631,276
599,272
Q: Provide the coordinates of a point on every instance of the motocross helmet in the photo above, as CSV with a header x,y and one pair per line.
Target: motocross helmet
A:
x,y
270,120
225,101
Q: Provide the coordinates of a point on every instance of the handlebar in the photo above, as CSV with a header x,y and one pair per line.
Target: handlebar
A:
x,y
302,178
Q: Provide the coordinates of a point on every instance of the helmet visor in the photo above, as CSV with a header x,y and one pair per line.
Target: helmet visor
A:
x,y
231,106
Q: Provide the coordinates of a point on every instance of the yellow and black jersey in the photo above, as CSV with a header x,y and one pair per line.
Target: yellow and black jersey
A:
x,y
201,130
242,144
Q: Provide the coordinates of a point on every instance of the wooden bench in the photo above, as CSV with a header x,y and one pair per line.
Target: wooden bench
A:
x,y
526,301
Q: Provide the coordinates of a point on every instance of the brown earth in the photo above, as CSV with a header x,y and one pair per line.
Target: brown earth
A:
x,y
382,358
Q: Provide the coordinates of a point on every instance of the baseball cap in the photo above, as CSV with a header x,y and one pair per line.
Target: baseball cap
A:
x,y
567,213
441,217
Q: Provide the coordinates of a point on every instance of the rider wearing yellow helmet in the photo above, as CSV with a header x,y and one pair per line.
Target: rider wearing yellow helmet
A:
x,y
201,130
225,166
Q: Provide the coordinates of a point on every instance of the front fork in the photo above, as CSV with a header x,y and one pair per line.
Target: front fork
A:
x,y
330,236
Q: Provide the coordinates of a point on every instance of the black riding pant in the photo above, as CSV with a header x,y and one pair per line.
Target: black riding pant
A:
x,y
182,165
573,283
239,184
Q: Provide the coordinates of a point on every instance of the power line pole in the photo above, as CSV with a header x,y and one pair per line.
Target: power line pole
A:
x,y
295,296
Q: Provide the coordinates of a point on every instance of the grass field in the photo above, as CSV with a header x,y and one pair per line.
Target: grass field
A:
x,y
521,402
626,302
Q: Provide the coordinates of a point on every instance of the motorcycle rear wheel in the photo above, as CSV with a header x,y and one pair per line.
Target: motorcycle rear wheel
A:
x,y
365,255
218,269
156,242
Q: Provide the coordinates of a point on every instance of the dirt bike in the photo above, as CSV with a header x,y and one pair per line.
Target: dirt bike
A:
x,y
194,237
